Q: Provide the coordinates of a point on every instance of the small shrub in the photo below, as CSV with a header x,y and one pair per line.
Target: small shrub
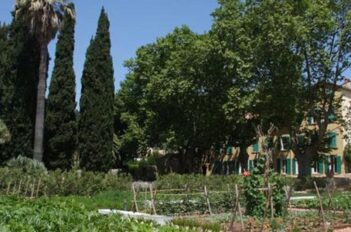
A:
x,y
197,224
26,164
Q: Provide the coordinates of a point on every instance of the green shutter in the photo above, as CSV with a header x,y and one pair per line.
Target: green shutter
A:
x,y
229,150
321,166
278,166
338,164
255,147
332,118
269,142
251,165
332,140
301,139
294,161
288,166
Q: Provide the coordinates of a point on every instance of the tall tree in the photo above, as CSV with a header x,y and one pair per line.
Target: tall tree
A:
x,y
44,18
19,71
96,103
326,50
60,121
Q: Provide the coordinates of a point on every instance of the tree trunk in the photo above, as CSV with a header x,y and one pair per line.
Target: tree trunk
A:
x,y
40,112
304,162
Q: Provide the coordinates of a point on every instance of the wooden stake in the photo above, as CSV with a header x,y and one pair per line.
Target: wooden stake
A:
x,y
237,193
14,188
321,205
8,188
19,186
135,199
270,191
32,192
207,200
26,186
152,200
38,187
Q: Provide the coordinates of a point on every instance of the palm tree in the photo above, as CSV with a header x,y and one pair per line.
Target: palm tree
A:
x,y
44,18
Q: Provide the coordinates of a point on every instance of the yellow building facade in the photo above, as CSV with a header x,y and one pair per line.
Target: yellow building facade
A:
x,y
284,158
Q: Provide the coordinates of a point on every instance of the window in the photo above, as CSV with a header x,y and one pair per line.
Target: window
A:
x,y
255,147
332,143
269,142
300,139
332,116
285,142
310,120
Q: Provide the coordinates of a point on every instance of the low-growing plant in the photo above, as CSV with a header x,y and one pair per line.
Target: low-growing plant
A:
x,y
57,183
197,224
195,182
21,215
26,164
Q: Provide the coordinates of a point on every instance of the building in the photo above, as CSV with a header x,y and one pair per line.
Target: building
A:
x,y
284,158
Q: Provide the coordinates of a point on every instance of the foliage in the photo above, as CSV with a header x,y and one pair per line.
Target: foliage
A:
x,y
256,197
4,133
58,183
347,157
96,103
192,223
51,215
60,121
19,78
43,19
25,164
197,182
169,101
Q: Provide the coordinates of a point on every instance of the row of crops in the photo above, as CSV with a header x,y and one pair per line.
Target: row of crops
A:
x,y
46,214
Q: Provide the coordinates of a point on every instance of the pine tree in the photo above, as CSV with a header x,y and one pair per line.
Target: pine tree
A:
x,y
19,85
60,123
96,104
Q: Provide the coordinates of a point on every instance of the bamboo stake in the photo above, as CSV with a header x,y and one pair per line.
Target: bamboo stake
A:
x,y
19,186
207,200
38,187
321,205
32,192
237,193
152,200
270,200
14,188
8,188
26,186
135,199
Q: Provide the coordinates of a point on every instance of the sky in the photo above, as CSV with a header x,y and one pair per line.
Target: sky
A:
x,y
133,23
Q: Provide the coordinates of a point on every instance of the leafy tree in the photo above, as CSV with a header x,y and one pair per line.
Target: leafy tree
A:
x,y
60,121
96,103
291,56
173,97
43,17
326,50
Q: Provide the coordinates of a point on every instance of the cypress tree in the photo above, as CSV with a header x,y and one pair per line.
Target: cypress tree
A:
x,y
4,64
19,85
96,103
60,122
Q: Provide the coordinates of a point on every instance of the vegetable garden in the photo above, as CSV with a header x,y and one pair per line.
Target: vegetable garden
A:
x,y
40,200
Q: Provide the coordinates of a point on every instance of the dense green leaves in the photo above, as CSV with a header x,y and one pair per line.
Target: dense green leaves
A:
x,y
18,77
60,124
96,103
